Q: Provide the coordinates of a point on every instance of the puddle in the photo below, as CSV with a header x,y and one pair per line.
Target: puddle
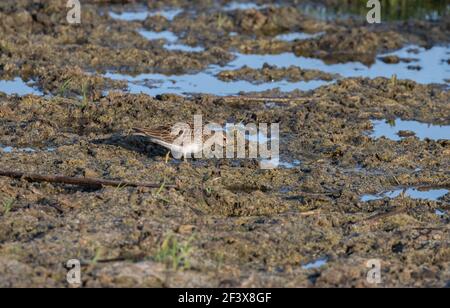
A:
x,y
440,213
152,35
275,163
171,39
290,165
315,264
290,37
421,130
182,47
433,71
205,82
169,14
142,15
9,149
129,16
233,6
392,10
413,193
18,87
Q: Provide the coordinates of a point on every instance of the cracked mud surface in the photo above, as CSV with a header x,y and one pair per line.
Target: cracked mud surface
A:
x,y
245,227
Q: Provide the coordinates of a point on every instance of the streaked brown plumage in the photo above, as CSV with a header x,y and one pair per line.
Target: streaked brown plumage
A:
x,y
167,136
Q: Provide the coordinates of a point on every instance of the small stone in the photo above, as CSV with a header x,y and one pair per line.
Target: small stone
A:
x,y
89,173
390,59
406,133
415,67
186,229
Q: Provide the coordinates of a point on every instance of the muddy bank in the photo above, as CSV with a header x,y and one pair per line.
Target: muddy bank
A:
x,y
241,226
270,73
38,45
314,221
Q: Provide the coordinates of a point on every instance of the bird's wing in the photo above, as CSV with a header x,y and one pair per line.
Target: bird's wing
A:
x,y
163,133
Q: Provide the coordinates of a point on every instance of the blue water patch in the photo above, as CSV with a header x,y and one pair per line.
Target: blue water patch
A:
x,y
6,149
429,60
129,16
276,163
315,264
391,130
10,149
290,37
413,193
153,35
18,87
182,47
233,6
206,82
169,14
440,213
171,39
142,14
421,10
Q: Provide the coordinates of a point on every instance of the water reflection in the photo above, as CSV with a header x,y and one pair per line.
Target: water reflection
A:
x,y
396,129
413,193
17,86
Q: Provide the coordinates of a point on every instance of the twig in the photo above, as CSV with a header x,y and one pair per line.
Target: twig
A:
x,y
310,213
264,99
377,217
87,182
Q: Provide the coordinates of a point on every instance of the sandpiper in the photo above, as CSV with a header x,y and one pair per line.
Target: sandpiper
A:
x,y
179,139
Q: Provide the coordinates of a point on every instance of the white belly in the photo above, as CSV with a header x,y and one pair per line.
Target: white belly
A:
x,y
178,151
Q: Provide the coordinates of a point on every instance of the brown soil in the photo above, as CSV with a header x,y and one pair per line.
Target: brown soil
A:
x,y
270,73
235,224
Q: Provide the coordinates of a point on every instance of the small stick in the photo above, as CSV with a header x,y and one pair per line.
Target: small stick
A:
x,y
87,182
310,213
375,218
263,99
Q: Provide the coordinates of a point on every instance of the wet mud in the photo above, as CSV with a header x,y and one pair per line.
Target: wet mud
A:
x,y
342,196
270,73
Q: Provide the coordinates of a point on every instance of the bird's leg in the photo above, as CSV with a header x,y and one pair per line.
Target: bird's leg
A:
x,y
167,157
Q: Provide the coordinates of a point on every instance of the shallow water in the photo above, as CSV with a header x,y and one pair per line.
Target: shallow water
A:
x,y
169,14
18,87
433,71
243,6
413,193
183,47
278,163
205,82
129,16
171,39
421,130
165,35
315,264
142,14
392,10
290,37
440,213
9,149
